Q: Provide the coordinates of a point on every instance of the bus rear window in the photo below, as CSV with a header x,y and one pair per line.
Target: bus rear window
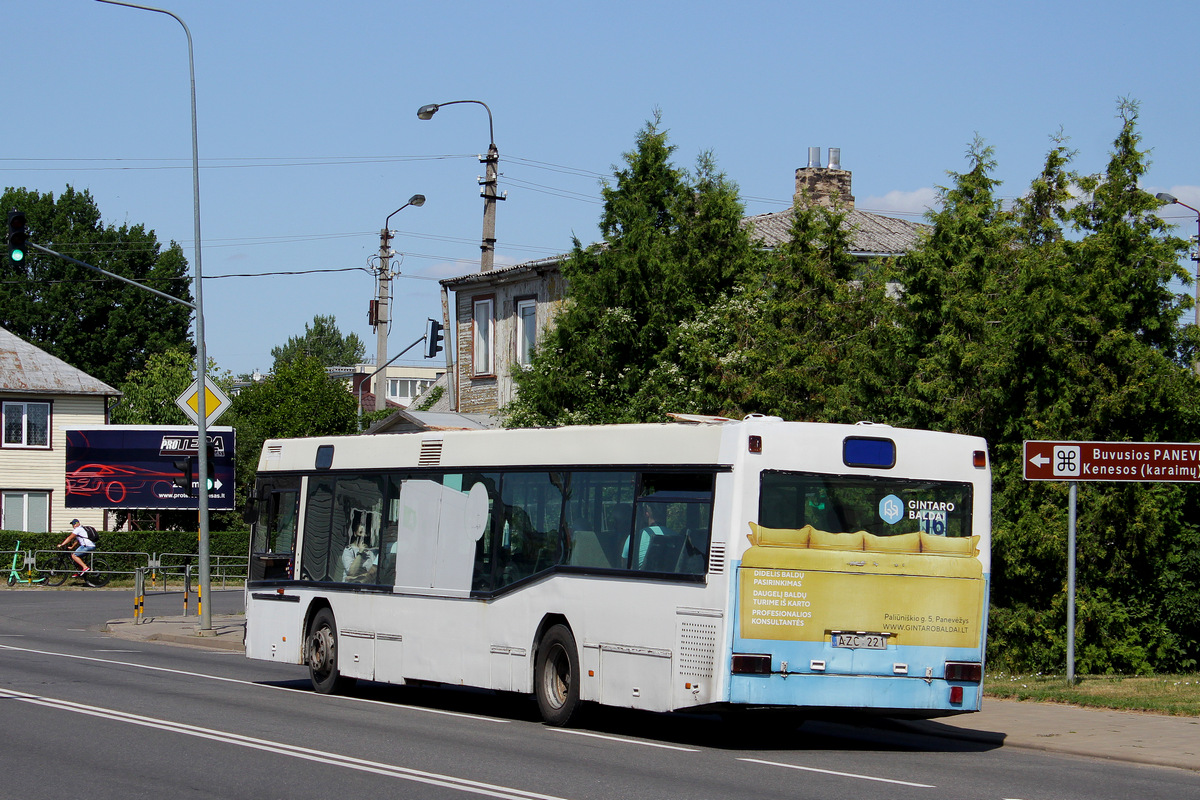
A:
x,y
880,506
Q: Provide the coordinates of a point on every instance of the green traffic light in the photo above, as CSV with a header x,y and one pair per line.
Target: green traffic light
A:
x,y
16,236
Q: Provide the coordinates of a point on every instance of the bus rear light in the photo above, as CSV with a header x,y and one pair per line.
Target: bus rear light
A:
x,y
751,665
966,671
956,695
979,459
755,444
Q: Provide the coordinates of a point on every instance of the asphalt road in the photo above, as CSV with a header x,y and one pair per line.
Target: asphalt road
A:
x,y
85,714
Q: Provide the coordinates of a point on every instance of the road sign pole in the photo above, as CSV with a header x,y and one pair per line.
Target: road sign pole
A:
x,y
1073,493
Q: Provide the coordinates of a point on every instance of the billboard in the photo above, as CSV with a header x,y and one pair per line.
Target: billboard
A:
x,y
132,466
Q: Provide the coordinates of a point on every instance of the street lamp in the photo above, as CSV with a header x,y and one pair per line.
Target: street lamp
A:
x,y
1170,198
201,355
488,247
380,318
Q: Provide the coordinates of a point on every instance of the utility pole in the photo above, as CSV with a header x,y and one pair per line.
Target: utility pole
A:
x,y
382,318
487,256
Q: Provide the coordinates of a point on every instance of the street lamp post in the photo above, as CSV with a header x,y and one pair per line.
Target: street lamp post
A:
x,y
201,355
1170,198
381,310
487,247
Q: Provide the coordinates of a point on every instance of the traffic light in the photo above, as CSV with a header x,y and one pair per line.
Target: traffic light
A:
x,y
186,480
16,237
433,338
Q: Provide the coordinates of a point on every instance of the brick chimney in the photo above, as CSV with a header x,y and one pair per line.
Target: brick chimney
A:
x,y
823,184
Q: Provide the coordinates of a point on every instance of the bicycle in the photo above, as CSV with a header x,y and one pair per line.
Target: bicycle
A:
x,y
62,567
14,577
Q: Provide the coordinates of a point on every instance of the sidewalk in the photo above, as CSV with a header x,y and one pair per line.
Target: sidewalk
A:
x,y
1117,735
227,632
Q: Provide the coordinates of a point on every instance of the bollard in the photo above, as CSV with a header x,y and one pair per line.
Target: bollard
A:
x,y
139,594
187,587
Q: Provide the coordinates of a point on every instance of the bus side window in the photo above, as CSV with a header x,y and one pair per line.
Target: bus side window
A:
x,y
674,515
274,542
318,512
532,504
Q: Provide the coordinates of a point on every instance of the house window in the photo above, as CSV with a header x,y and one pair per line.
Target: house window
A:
x,y
26,511
405,390
526,330
26,424
484,337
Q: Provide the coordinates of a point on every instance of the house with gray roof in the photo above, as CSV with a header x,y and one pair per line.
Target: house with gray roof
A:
x,y
497,316
40,397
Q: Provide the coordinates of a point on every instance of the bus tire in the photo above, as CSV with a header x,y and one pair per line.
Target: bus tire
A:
x,y
556,677
321,653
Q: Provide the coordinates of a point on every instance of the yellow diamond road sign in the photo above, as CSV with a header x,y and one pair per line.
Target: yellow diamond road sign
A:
x,y
215,402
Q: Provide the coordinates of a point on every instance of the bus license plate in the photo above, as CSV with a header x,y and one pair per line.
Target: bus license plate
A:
x,y
864,641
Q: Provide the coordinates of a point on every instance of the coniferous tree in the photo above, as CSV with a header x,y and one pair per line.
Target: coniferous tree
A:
x,y
824,328
952,303
672,246
1087,346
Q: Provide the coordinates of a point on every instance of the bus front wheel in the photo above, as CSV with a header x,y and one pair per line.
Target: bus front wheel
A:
x,y
556,676
321,647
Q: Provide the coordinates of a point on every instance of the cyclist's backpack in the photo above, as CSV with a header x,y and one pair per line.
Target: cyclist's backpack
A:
x,y
92,534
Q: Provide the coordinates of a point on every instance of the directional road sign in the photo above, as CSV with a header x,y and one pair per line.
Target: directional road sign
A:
x,y
215,402
1158,462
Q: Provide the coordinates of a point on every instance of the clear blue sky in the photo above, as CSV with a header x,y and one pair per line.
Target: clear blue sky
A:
x,y
308,135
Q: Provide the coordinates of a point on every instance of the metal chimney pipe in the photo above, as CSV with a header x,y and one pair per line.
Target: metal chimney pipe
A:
x,y
835,158
814,157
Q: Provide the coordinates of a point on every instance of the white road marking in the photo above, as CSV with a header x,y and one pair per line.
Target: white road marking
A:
x,y
624,740
250,683
839,774
320,756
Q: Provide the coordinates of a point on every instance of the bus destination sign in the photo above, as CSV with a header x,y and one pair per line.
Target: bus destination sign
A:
x,y
1159,462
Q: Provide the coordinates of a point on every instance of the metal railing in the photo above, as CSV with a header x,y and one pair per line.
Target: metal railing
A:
x,y
158,567
222,568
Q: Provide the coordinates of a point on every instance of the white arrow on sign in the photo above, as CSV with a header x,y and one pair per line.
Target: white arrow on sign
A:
x,y
1039,460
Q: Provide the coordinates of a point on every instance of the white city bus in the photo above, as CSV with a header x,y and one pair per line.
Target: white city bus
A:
x,y
714,566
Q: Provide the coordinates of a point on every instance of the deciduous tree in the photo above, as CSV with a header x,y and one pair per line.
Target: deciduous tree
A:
x,y
104,327
323,341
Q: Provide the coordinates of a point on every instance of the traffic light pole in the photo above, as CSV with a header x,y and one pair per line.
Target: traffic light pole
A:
x,y
367,380
198,291
113,275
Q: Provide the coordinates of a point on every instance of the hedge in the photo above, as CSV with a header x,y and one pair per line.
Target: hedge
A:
x,y
220,543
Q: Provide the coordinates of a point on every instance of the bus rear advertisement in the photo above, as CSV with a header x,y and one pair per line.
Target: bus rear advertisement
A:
x,y
713,565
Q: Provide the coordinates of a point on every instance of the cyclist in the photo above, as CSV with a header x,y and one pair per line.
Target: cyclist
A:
x,y
84,544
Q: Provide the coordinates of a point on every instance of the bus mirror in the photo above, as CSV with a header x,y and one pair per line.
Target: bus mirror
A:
x,y
250,512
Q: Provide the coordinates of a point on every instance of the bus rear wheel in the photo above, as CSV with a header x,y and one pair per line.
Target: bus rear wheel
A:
x,y
321,651
556,677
